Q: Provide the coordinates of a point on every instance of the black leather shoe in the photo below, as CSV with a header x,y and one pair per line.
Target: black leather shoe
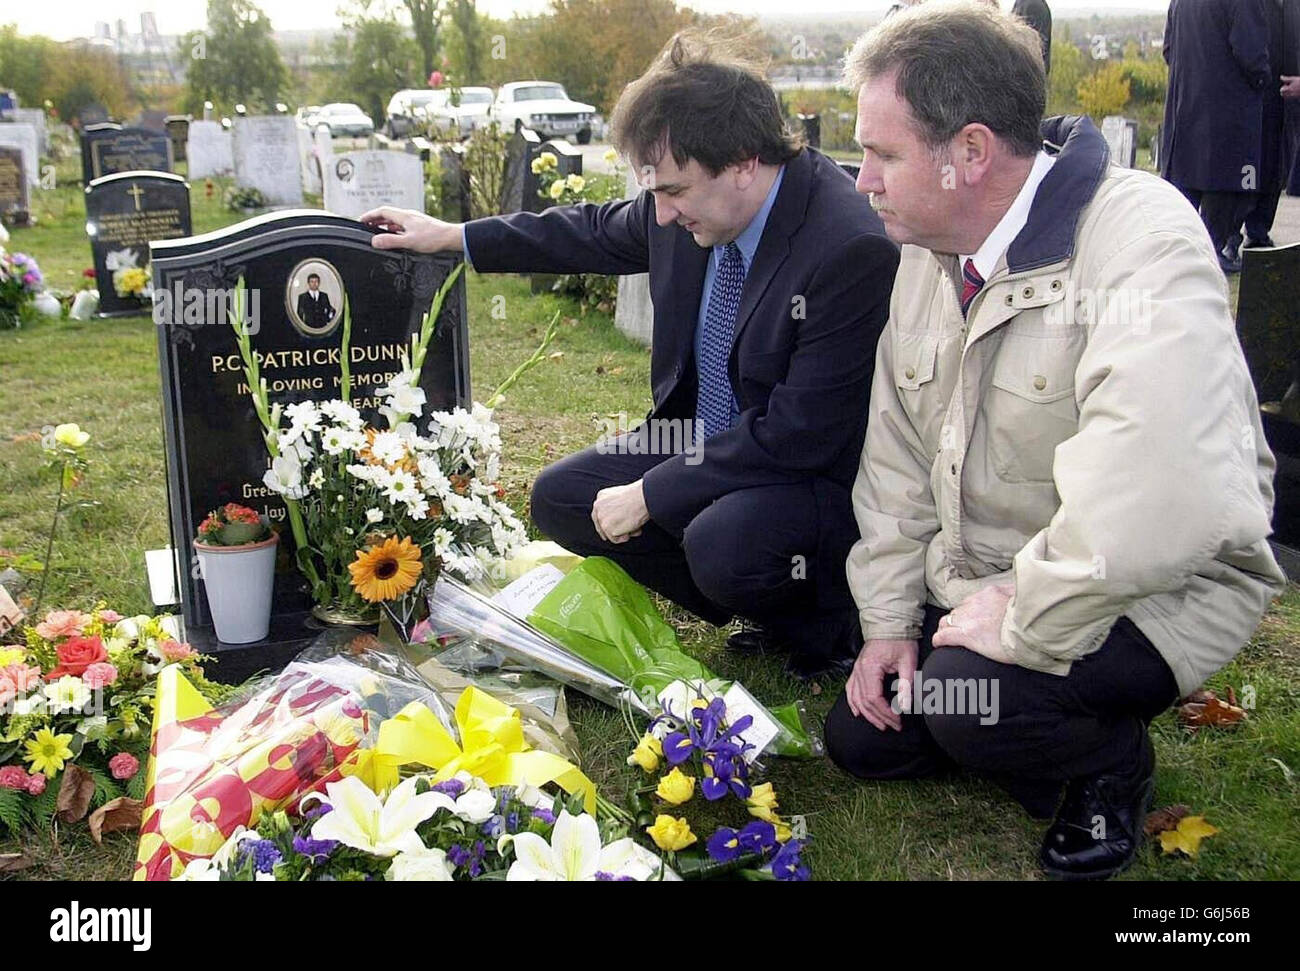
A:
x,y
1266,242
1228,266
753,639
1098,829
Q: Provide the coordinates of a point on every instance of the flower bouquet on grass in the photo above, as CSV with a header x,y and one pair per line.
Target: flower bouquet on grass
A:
x,y
701,762
20,282
377,509
76,701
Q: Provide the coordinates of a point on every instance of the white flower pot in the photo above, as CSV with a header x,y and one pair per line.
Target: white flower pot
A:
x,y
238,581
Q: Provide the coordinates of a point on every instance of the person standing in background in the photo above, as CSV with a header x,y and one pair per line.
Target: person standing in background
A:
x,y
1037,14
1217,52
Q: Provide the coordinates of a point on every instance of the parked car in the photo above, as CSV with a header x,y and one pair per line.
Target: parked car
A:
x,y
345,119
470,110
544,107
407,110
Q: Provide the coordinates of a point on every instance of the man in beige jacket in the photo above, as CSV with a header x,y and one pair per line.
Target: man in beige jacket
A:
x,y
1065,490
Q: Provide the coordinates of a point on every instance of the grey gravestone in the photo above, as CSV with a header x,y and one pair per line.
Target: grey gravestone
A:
x,y
634,313
356,182
125,212
1268,323
310,164
23,137
1121,136
518,183
92,114
15,203
266,158
324,143
36,118
178,130
209,149
128,150
454,194
214,447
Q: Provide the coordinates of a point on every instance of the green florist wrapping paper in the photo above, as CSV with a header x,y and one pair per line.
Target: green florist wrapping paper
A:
x,y
604,617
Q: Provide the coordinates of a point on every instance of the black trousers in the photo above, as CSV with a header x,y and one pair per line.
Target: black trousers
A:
x,y
1222,212
1259,221
772,554
1048,729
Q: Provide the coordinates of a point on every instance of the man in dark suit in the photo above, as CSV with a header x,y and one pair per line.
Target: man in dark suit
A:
x,y
770,279
1037,14
314,307
1217,51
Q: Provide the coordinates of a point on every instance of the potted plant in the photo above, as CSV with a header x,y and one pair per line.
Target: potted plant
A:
x,y
236,551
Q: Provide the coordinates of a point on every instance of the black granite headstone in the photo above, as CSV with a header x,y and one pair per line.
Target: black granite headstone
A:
x,y
108,152
568,160
519,184
124,214
89,135
14,203
214,445
1268,323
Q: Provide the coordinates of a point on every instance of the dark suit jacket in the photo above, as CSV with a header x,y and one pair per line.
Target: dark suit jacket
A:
x,y
813,306
1217,51
315,313
1038,15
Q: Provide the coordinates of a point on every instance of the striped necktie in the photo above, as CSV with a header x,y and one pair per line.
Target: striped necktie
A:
x,y
971,283
713,402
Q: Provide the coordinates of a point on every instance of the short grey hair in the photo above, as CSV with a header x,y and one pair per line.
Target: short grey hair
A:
x,y
957,64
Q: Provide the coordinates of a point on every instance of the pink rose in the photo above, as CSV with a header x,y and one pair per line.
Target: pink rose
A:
x,y
109,616
99,675
62,623
36,784
123,765
173,651
13,777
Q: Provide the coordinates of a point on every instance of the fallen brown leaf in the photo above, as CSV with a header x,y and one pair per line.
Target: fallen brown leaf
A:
x,y
13,862
1213,711
119,814
1160,820
74,795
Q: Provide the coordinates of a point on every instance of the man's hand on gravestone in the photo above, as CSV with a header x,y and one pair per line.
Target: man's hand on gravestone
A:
x,y
865,690
408,229
1290,86
619,512
976,623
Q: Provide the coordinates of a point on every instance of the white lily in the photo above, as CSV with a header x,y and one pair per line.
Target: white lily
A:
x,y
285,477
574,853
361,820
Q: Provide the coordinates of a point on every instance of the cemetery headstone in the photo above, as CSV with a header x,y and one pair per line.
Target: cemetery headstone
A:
x,y
23,137
310,164
125,212
324,143
266,158
214,447
421,146
1268,323
209,150
15,204
151,120
568,160
36,118
113,150
454,194
178,130
89,135
634,312
1121,136
356,182
518,183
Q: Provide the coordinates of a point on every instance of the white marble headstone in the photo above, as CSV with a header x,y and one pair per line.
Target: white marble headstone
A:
x,y
266,158
359,181
1121,136
311,168
209,149
26,138
36,118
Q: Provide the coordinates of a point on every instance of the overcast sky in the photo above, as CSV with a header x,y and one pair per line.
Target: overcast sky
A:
x,y
65,19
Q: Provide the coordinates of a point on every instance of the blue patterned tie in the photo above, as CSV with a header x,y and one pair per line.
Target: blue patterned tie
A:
x,y
713,405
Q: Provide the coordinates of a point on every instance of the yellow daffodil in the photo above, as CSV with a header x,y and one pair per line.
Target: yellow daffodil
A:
x,y
676,787
762,796
647,753
671,834
576,182
71,435
782,830
764,813
557,188
47,752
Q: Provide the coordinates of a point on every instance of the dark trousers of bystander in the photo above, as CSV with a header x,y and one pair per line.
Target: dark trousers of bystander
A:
x,y
1049,728
1222,212
772,554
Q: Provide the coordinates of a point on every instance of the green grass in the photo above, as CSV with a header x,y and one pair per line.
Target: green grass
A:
x,y
104,375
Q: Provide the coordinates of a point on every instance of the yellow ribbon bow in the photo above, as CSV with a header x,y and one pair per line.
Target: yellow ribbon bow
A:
x,y
492,748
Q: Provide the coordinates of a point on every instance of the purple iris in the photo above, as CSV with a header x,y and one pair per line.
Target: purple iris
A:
x,y
471,859
724,845
757,837
707,731
264,854
545,815
729,771
317,811
495,826
787,865
604,876
449,787
316,851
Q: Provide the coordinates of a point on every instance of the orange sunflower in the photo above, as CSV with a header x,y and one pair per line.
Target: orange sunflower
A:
x,y
386,571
